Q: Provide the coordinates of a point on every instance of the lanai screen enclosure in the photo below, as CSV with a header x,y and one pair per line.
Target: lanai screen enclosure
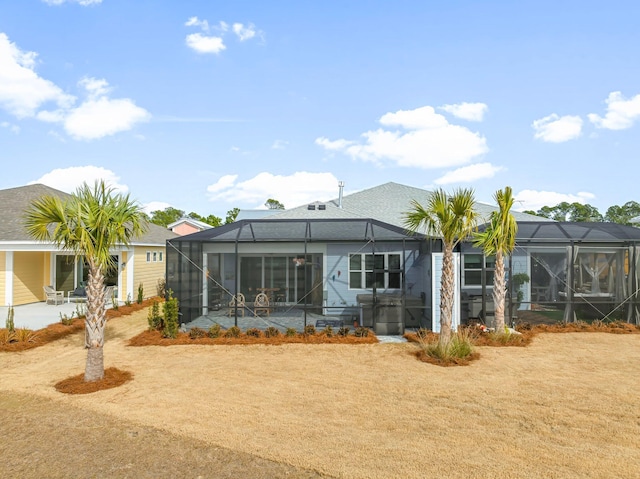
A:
x,y
328,267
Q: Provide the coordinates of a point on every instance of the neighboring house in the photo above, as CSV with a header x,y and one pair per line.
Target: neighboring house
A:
x,y
26,266
186,226
352,257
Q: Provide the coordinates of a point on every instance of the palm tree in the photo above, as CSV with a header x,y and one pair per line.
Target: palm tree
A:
x,y
499,239
453,219
89,223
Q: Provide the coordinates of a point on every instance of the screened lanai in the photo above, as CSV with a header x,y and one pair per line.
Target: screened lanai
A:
x,y
330,268
566,271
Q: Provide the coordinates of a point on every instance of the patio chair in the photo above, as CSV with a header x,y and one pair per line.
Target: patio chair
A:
x,y
53,295
78,294
239,302
108,294
261,305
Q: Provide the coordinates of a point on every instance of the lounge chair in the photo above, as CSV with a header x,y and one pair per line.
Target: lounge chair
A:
x,y
239,303
53,295
78,294
261,305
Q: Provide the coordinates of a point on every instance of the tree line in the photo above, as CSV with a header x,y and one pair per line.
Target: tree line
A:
x,y
587,213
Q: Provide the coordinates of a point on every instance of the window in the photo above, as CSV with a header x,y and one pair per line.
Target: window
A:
x,y
383,270
160,256
155,256
473,263
148,256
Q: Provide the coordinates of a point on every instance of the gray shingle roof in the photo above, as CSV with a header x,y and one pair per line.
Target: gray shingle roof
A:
x,y
15,201
387,203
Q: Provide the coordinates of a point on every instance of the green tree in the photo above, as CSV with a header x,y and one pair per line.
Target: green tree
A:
x,y
453,219
232,215
167,216
274,204
212,220
623,214
89,223
499,239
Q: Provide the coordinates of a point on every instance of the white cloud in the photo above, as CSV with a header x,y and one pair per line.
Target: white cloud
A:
x,y
468,174
425,139
69,179
22,91
467,111
279,145
244,33
152,206
80,2
15,129
205,44
101,116
293,190
621,113
557,129
534,200
196,22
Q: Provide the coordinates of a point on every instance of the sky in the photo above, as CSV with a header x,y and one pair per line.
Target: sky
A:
x,y
211,105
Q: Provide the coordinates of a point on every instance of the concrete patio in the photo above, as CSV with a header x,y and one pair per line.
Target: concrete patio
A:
x,y
39,315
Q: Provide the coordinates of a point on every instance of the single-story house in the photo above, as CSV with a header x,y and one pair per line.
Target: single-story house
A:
x,y
352,258
186,226
27,266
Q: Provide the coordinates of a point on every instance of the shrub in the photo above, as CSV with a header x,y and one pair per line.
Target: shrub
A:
x,y
9,323
214,331
80,310
309,330
361,332
253,332
7,336
156,322
140,293
114,300
291,332
423,333
24,335
459,350
343,331
328,331
66,320
272,332
161,287
170,309
232,332
195,333
127,302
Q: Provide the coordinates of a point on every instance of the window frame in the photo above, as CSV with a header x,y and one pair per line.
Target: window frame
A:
x,y
366,272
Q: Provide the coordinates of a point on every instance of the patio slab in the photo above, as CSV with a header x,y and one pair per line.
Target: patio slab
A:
x,y
39,315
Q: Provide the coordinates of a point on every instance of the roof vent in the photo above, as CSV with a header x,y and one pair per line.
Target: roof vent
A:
x,y
311,207
322,207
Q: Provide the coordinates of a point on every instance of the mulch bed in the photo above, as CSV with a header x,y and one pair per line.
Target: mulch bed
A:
x,y
154,338
113,377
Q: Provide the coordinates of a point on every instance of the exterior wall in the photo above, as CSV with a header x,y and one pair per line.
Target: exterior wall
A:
x,y
31,271
147,272
185,229
3,277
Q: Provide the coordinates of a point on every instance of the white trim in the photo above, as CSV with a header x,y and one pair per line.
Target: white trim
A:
x,y
436,276
130,271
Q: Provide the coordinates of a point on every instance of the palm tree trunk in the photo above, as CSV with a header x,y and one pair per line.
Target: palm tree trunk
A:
x,y
94,323
499,292
446,294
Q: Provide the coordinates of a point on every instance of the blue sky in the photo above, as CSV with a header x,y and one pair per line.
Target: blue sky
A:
x,y
211,105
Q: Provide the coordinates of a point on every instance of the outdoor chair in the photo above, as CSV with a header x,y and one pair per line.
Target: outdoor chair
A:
x,y
239,303
53,295
261,305
108,294
78,294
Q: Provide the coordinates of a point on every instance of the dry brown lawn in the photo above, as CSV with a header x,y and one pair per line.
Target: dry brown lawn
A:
x,y
566,406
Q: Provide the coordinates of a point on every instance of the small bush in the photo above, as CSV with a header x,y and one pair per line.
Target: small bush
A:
x,y
170,308
328,331
161,287
272,332
114,301
195,333
343,331
81,310
423,333
66,320
127,302
253,332
140,293
24,335
232,332
290,332
361,332
156,323
214,331
7,336
9,323
309,330
459,350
